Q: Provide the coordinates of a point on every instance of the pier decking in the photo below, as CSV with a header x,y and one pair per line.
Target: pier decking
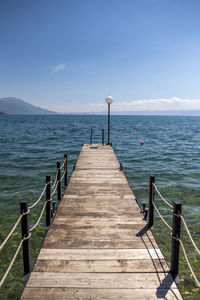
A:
x,y
99,246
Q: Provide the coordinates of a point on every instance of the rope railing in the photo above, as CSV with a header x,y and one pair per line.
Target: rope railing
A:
x,y
63,164
23,218
175,229
12,261
40,197
12,230
11,264
58,169
44,206
189,234
55,189
162,196
182,218
62,176
57,182
165,222
40,216
187,260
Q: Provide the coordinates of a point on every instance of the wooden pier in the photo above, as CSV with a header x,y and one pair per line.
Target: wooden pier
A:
x,y
99,246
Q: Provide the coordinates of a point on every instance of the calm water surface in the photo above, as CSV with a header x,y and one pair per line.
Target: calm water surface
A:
x,y
31,146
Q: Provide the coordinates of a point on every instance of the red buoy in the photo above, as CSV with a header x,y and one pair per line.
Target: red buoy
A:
x,y
141,143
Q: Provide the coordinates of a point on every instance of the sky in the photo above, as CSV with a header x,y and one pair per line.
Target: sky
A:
x,y
68,55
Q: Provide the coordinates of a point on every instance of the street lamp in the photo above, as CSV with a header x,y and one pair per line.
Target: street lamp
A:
x,y
109,100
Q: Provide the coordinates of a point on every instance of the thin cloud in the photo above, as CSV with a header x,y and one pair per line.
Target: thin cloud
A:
x,y
58,68
173,103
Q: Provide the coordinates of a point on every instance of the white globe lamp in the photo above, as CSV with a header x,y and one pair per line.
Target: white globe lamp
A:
x,y
109,100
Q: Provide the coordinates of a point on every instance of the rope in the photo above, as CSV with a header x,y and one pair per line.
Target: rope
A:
x,y
55,181
11,232
63,176
187,260
162,196
30,207
162,217
13,229
12,261
63,164
55,188
10,266
187,230
38,221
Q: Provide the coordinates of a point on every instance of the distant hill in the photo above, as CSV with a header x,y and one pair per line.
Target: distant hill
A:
x,y
1,113
15,106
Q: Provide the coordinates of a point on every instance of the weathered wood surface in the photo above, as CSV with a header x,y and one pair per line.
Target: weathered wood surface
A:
x,y
99,246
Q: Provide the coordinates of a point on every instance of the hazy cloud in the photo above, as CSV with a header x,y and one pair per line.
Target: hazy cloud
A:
x,y
58,68
173,103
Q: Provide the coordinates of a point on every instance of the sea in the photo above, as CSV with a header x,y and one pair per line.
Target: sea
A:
x,y
31,146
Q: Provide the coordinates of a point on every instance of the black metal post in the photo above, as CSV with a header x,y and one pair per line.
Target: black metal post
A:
x,y
74,167
48,203
102,136
91,133
59,182
65,170
176,230
108,123
120,166
146,214
143,207
53,209
151,200
25,234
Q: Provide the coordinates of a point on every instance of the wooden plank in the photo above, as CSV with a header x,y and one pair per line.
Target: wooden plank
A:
x,y
100,294
101,280
99,254
103,266
99,197
74,242
84,221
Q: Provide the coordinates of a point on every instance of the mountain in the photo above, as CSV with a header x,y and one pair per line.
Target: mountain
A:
x,y
15,106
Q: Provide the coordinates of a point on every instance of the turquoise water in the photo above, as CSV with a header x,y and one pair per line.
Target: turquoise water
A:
x,y
31,146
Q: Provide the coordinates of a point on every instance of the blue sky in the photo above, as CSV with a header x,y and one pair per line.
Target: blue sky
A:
x,y
68,55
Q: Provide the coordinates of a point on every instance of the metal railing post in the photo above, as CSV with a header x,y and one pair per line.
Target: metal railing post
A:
x,y
143,207
65,170
151,200
48,202
25,234
59,182
102,137
176,230
91,133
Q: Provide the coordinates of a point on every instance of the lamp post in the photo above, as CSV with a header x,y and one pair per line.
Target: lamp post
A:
x,y
109,100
